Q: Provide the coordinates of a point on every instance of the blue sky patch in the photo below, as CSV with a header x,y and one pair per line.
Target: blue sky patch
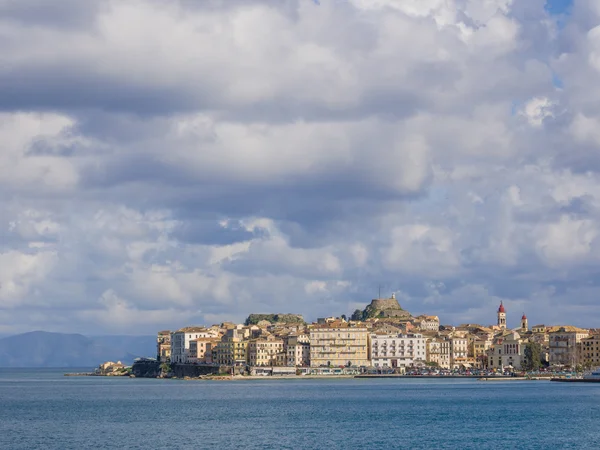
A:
x,y
559,6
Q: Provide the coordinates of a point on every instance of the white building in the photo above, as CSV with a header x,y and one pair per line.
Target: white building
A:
x,y
459,350
398,350
180,342
298,354
297,349
453,350
507,351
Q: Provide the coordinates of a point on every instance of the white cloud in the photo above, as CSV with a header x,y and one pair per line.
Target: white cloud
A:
x,y
172,162
21,275
536,110
422,249
567,241
20,167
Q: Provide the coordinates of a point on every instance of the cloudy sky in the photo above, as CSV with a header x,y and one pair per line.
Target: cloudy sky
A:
x,y
189,162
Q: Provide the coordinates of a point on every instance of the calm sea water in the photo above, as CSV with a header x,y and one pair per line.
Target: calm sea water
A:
x,y
43,409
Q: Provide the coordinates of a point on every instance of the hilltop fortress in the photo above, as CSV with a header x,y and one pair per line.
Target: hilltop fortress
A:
x,y
388,307
383,308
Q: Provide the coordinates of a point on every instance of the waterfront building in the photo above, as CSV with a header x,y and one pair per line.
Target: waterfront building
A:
x,y
163,346
201,350
459,348
298,350
398,350
110,367
563,343
180,342
453,350
232,350
298,355
590,351
507,351
471,338
445,357
480,348
338,343
433,351
266,351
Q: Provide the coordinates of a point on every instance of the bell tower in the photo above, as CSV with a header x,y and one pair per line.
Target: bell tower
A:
x,y
502,317
524,323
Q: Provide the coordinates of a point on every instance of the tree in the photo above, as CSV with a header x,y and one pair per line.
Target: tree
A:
x,y
357,315
532,353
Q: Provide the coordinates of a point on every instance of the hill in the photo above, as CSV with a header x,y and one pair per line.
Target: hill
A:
x,y
44,349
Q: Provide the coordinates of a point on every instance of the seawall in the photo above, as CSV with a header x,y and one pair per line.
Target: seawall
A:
x,y
151,369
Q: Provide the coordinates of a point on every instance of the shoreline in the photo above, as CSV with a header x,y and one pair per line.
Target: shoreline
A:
x,y
323,377
92,374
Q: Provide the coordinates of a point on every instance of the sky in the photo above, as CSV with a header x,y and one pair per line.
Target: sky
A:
x,y
164,164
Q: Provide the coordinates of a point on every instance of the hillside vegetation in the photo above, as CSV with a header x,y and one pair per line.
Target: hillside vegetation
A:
x,y
253,319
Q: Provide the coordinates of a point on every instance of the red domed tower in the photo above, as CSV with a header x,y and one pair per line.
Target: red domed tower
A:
x,y
502,316
524,323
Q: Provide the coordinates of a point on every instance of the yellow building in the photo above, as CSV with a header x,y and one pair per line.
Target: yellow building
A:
x,y
479,351
201,350
233,348
267,351
434,349
590,351
338,344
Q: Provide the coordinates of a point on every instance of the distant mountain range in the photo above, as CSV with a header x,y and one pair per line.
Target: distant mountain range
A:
x,y
44,349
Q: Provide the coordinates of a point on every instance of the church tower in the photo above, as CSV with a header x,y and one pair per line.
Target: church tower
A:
x,y
502,317
524,323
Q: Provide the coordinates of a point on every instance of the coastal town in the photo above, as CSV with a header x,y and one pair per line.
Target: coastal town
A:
x,y
382,338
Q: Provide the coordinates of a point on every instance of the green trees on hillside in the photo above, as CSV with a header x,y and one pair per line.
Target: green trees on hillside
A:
x,y
357,315
253,319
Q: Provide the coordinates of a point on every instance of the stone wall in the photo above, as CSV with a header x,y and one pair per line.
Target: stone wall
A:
x,y
382,304
194,370
151,369
385,307
146,369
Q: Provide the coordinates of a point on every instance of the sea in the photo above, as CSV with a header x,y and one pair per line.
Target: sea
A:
x,y
43,409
